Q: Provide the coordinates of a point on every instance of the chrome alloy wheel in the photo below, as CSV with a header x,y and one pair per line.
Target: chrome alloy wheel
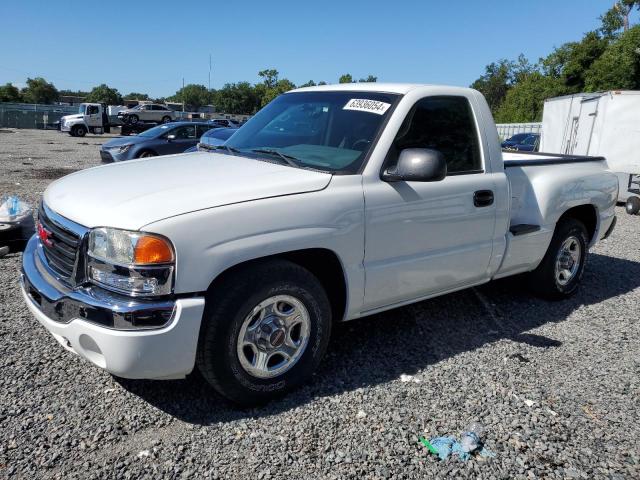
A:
x,y
568,260
273,336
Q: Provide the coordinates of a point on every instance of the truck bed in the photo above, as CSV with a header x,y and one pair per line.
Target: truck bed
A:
x,y
530,159
539,195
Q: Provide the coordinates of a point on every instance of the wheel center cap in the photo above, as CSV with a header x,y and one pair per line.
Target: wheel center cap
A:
x,y
276,338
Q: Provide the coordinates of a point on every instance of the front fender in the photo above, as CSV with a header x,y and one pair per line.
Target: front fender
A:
x,y
210,241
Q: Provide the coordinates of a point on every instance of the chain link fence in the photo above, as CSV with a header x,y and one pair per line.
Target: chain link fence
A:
x,y
29,115
507,130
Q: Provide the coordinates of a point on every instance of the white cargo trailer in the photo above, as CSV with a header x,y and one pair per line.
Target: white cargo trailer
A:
x,y
601,124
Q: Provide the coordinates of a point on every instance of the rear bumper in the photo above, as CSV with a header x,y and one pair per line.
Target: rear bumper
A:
x,y
69,315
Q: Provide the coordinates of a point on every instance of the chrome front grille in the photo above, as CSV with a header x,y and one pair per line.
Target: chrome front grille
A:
x,y
60,245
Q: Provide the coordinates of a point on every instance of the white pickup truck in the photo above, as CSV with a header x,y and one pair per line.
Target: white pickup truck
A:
x,y
332,203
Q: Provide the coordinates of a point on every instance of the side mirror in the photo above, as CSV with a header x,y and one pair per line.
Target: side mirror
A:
x,y
417,165
171,137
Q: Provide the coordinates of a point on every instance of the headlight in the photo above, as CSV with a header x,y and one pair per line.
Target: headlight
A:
x,y
120,148
133,263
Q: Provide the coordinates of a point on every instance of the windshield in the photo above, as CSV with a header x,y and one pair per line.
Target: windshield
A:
x,y
156,131
330,131
81,109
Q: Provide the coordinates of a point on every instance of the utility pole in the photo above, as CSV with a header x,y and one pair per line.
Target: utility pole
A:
x,y
209,72
182,94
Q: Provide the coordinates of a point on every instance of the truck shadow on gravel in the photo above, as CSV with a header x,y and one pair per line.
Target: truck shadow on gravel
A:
x,y
380,348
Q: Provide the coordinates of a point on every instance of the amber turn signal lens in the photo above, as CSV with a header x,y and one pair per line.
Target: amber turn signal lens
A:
x,y
152,250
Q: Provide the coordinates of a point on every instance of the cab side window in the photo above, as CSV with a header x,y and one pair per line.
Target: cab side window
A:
x,y
446,124
187,132
92,110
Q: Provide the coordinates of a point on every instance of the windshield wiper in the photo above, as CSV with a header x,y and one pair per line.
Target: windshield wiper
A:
x,y
288,159
220,147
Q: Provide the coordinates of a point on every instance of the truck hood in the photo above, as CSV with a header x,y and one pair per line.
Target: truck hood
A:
x,y
72,116
135,193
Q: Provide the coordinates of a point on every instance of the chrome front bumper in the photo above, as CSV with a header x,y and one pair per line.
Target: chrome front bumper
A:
x,y
109,329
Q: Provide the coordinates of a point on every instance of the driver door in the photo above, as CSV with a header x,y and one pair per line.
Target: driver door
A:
x,y
93,116
425,238
184,137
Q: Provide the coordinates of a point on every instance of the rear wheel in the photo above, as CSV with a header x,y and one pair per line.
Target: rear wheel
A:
x,y
632,206
166,119
264,332
147,154
562,267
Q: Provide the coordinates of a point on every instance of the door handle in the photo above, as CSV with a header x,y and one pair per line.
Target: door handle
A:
x,y
483,198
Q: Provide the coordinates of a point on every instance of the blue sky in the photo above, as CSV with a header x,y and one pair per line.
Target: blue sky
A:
x,y
149,46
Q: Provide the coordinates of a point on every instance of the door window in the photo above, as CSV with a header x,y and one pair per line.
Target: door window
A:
x,y
187,132
446,124
92,110
202,129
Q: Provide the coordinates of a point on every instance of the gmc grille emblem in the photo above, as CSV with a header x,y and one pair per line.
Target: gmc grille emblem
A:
x,y
45,235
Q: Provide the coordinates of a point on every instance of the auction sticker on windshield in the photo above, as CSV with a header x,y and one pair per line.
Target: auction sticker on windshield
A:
x,y
365,105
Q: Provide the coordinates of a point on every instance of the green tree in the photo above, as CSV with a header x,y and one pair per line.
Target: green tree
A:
x,y
38,90
346,78
612,22
73,93
136,96
193,95
619,66
525,100
281,86
369,79
495,83
104,94
625,7
239,98
269,77
310,83
9,93
571,61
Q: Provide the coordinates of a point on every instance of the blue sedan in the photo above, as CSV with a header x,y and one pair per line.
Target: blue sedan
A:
x,y
164,139
523,142
213,138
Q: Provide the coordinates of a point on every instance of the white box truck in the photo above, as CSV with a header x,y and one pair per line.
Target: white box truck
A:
x,y
601,124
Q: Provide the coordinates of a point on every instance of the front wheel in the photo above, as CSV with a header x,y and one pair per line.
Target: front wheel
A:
x,y
264,332
559,274
147,154
79,131
166,119
133,119
633,205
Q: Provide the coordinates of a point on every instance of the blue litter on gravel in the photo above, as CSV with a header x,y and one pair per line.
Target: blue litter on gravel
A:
x,y
447,446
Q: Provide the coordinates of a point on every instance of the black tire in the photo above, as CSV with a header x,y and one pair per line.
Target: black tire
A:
x,y
227,308
544,281
632,206
133,119
147,154
79,131
166,119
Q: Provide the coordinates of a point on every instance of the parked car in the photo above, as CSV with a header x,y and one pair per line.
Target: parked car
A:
x,y
515,139
163,139
224,122
240,262
149,112
530,143
213,138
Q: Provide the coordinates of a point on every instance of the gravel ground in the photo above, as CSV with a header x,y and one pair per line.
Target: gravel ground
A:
x,y
555,384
